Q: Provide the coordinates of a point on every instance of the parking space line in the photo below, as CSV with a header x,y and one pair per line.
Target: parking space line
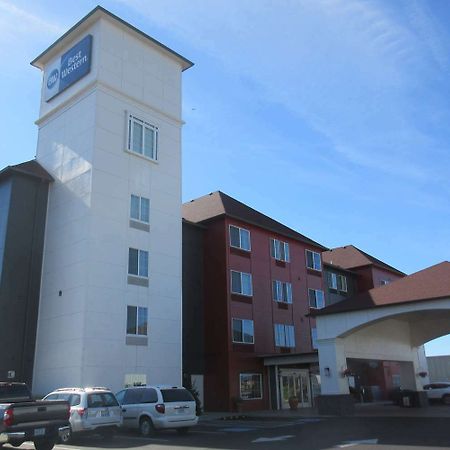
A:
x,y
207,432
144,439
60,447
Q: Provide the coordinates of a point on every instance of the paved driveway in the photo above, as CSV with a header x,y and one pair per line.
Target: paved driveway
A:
x,y
359,433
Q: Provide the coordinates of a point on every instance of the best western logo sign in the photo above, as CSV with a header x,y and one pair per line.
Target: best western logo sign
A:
x,y
73,65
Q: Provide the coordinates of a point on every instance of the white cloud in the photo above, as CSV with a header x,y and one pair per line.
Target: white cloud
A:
x,y
20,31
20,19
347,68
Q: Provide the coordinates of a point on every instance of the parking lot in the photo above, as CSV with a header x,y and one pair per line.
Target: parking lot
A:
x,y
395,433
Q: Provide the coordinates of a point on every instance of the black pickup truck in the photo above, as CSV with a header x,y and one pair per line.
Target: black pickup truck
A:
x,y
24,419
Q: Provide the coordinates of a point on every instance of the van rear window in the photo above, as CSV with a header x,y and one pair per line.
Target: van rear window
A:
x,y
176,395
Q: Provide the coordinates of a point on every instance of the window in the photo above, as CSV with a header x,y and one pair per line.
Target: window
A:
x,y
384,282
135,379
137,320
142,138
316,299
314,338
101,400
282,292
138,262
140,209
332,281
241,283
243,331
284,335
73,399
250,386
239,238
342,283
176,395
136,396
313,260
279,250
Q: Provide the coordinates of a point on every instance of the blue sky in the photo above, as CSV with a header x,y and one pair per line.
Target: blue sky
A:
x,y
331,116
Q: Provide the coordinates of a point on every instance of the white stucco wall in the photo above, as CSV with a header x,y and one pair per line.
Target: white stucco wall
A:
x,y
391,333
81,338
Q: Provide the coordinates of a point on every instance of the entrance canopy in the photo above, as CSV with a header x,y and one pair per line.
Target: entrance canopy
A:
x,y
388,323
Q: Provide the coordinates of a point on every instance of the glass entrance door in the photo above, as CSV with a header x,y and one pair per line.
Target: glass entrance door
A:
x,y
295,383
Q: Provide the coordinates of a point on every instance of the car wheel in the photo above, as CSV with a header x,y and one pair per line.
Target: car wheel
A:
x,y
43,444
446,399
66,438
146,427
183,431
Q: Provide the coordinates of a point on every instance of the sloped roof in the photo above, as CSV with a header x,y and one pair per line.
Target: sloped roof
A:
x,y
31,168
90,18
350,257
218,204
428,284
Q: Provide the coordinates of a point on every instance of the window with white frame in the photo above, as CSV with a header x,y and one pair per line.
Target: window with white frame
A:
x,y
142,137
342,283
284,335
250,386
137,320
239,238
137,262
243,332
241,283
384,282
313,260
279,250
140,208
332,281
316,298
314,338
282,291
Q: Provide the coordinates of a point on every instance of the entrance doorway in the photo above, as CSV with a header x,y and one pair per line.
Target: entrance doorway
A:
x,y
295,382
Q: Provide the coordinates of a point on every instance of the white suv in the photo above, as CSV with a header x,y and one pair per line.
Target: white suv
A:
x,y
92,409
150,408
438,391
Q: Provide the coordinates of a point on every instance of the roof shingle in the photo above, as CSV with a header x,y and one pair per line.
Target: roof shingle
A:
x,y
350,257
217,204
427,284
31,168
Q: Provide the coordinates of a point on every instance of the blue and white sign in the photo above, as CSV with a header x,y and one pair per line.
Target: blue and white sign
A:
x,y
73,65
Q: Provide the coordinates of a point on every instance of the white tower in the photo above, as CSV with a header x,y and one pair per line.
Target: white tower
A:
x,y
110,135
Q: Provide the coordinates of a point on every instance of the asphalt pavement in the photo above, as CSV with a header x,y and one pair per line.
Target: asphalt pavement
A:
x,y
359,433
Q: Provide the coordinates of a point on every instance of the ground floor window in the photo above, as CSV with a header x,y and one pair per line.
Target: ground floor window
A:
x,y
250,385
135,379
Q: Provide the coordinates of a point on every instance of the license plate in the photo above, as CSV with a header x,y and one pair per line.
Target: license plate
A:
x,y
39,432
181,411
104,413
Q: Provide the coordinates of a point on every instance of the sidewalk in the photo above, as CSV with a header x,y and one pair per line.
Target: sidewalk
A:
x,y
387,409
284,414
382,409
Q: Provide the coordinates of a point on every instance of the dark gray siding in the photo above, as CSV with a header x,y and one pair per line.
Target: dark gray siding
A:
x,y
333,295
21,273
193,340
5,195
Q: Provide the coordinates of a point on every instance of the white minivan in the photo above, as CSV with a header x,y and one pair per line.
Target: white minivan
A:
x,y
150,408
